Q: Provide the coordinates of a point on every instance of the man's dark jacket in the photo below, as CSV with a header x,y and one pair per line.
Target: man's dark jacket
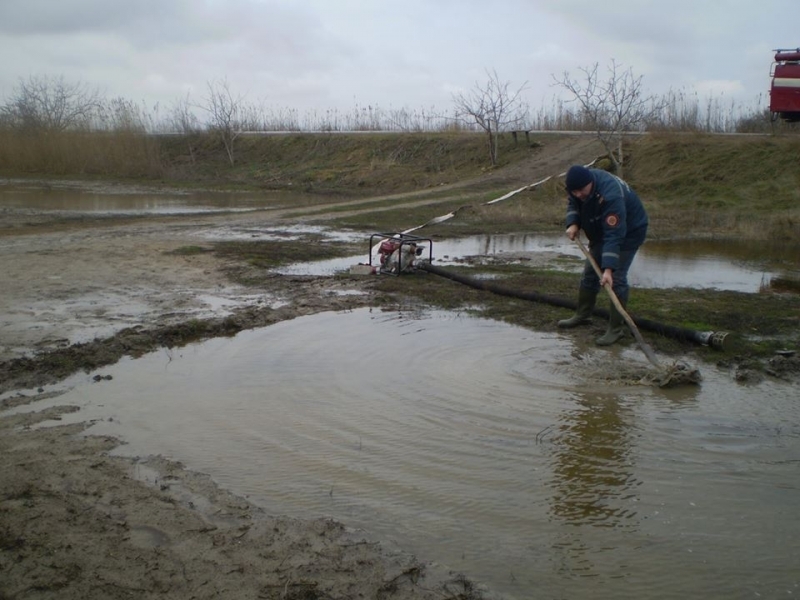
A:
x,y
612,215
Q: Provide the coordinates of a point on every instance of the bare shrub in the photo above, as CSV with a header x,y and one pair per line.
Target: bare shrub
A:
x,y
224,110
50,104
494,107
611,106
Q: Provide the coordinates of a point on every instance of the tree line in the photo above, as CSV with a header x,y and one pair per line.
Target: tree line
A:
x,y
610,103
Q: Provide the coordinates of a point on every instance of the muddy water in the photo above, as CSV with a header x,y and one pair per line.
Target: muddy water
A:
x,y
121,199
484,446
743,267
700,264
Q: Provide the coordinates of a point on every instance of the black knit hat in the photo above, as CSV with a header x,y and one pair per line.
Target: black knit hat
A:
x,y
578,177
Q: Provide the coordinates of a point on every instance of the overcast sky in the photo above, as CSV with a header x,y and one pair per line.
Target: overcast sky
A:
x,y
325,54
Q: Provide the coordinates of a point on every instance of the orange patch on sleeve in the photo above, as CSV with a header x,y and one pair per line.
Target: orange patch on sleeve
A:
x,y
612,220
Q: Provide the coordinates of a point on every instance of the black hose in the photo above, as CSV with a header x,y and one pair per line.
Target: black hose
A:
x,y
714,339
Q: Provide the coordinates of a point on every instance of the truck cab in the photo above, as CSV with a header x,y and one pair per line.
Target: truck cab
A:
x,y
784,94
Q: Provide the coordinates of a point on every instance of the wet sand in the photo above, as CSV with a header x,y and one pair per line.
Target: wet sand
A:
x,y
76,523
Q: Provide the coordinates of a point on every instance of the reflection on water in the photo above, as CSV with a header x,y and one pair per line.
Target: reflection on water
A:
x,y
739,266
124,200
593,483
482,446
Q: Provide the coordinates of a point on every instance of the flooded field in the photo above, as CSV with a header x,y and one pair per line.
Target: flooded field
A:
x,y
495,449
720,265
725,265
502,452
108,199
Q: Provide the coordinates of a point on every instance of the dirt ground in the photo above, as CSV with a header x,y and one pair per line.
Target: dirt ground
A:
x,y
77,523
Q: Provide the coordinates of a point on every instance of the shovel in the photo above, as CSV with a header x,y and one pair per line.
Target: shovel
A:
x,y
677,374
648,351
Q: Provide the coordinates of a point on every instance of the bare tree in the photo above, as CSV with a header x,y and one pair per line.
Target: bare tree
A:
x,y
494,107
123,115
612,106
181,117
183,120
50,104
225,110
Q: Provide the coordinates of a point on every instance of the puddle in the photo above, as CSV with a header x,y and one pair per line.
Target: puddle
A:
x,y
101,314
483,446
147,538
292,233
720,265
699,264
118,199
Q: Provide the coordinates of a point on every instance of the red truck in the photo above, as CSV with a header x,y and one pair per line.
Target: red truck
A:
x,y
784,94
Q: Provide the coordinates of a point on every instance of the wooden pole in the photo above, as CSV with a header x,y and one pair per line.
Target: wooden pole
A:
x,y
648,351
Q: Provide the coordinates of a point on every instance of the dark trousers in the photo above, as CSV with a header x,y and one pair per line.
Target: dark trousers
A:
x,y
590,280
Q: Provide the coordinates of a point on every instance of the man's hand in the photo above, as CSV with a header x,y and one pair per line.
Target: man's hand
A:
x,y
607,279
572,231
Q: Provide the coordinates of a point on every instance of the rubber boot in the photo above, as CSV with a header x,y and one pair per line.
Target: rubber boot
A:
x,y
616,327
583,314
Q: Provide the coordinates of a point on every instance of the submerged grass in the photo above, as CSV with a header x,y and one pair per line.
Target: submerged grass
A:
x,y
269,254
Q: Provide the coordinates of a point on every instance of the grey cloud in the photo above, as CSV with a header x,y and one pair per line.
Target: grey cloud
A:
x,y
43,17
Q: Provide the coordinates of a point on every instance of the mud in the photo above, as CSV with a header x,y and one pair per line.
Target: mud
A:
x,y
78,523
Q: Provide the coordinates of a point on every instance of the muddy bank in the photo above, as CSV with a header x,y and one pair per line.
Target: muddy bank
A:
x,y
77,523
308,295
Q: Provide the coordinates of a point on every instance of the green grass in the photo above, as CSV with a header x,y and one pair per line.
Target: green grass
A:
x,y
741,185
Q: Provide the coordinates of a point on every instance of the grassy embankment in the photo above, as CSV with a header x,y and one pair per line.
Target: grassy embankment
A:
x,y
694,185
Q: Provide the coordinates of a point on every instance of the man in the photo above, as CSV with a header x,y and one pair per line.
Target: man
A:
x,y
615,222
